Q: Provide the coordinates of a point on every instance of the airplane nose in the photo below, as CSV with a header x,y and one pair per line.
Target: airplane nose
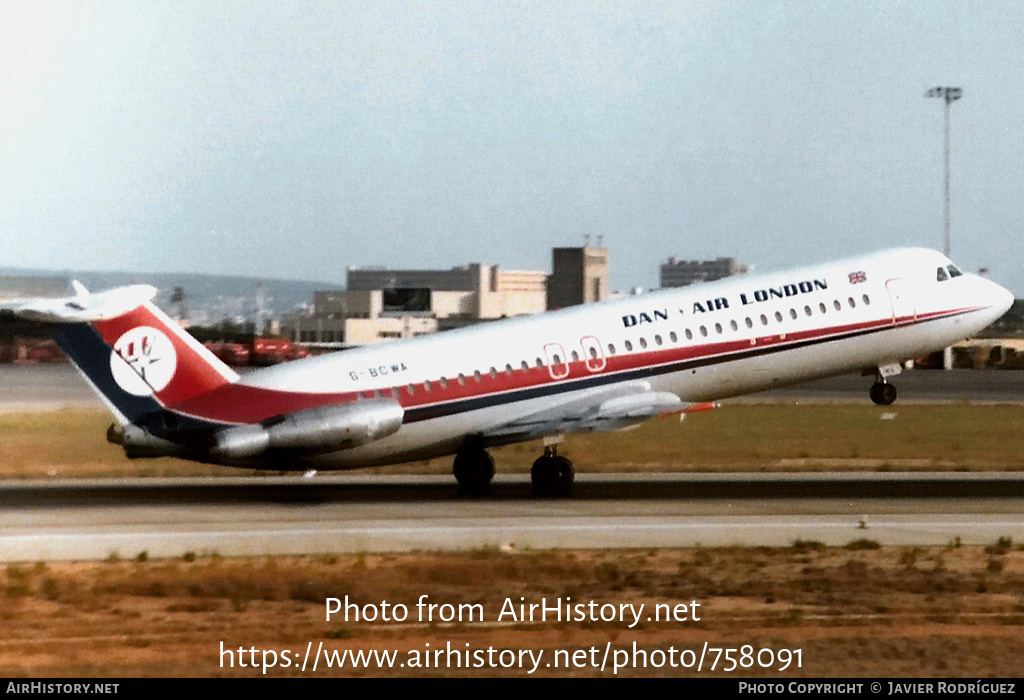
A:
x,y
1002,298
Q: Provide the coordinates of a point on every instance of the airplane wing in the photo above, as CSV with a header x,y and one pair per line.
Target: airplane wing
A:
x,y
612,408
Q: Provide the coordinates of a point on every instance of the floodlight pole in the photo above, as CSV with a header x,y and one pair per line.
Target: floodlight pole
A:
x,y
949,96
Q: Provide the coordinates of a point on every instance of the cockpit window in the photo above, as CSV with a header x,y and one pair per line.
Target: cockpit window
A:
x,y
941,275
954,271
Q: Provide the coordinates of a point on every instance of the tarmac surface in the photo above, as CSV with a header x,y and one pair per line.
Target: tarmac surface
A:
x,y
98,519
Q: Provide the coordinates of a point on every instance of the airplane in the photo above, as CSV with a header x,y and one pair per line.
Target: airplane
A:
x,y
596,367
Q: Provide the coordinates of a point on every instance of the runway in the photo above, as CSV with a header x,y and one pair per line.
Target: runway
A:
x,y
95,520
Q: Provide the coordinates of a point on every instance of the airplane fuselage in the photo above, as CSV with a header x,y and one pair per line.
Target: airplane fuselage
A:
x,y
701,343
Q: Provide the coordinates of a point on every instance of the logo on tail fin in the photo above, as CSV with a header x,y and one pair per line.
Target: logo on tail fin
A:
x,y
143,361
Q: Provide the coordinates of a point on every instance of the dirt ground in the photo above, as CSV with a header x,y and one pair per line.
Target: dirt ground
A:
x,y
804,610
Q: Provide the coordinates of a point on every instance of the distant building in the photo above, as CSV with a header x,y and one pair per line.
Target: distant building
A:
x,y
680,273
381,304
578,276
468,278
474,292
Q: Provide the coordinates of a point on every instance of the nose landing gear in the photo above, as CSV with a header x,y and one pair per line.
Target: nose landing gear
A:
x,y
882,392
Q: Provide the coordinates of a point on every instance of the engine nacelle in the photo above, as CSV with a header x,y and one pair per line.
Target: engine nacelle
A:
x,y
139,442
313,430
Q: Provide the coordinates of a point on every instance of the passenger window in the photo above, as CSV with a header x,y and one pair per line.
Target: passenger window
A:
x,y
764,320
839,307
807,310
733,325
853,304
821,307
689,334
657,340
792,314
867,300
704,331
718,328
629,346
750,324
778,316
643,342
673,337
611,348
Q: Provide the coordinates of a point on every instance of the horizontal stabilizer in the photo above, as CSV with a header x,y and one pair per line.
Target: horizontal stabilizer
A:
x,y
83,307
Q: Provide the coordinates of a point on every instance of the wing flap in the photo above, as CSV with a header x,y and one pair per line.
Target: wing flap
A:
x,y
603,410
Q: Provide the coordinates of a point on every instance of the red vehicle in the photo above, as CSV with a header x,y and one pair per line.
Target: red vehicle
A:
x,y
234,354
262,352
33,351
271,351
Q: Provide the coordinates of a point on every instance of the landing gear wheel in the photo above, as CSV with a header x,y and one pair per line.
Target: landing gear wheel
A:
x,y
552,474
883,394
473,469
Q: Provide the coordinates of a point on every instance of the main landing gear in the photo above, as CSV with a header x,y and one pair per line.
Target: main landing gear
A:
x,y
551,475
473,467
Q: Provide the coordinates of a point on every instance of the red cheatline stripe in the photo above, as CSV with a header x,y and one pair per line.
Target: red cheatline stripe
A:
x,y
238,403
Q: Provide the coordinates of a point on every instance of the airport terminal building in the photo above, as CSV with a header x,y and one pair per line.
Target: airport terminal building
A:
x,y
681,273
382,304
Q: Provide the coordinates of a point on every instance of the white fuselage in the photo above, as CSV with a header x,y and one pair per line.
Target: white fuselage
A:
x,y
703,342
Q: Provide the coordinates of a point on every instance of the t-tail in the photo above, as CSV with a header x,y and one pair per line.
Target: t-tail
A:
x,y
136,358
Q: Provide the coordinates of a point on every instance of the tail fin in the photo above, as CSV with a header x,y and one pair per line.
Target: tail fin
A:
x,y
134,355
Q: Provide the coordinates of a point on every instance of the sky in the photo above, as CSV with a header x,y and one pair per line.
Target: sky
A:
x,y
294,139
